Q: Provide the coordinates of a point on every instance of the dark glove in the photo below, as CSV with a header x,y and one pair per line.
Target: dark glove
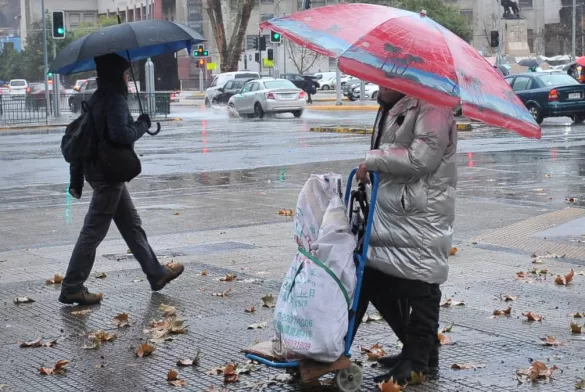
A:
x,y
144,117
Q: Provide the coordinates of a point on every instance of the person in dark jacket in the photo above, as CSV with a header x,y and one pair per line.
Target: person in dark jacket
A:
x,y
111,201
308,87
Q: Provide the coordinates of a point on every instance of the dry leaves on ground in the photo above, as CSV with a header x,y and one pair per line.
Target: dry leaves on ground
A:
x,y
539,259
204,272
190,362
167,310
228,278
537,371
453,251
372,317
268,301
258,325
59,368
447,329
450,303
39,343
444,339
539,272
576,328
572,199
81,312
508,298
23,300
103,336
100,275
121,320
521,275
286,212
550,341
222,293
533,316
144,350
577,315
173,378
251,309
161,330
373,353
390,386
230,373
56,279
504,312
580,384
467,366
565,280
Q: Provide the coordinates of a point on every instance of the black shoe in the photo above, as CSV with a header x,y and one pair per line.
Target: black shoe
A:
x,y
391,360
171,272
83,297
403,371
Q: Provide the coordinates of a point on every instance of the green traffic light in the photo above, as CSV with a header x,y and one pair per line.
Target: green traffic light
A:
x,y
60,30
276,36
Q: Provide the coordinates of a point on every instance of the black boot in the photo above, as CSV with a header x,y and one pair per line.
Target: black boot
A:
x,y
403,371
391,360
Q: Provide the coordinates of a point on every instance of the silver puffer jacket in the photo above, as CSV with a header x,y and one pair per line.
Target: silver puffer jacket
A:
x,y
413,222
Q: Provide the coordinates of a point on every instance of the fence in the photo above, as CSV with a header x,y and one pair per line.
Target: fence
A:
x,y
29,109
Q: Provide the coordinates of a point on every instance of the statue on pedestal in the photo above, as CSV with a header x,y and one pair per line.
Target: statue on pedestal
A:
x,y
511,9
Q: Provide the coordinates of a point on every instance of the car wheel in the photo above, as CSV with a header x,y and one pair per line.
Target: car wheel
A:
x,y
214,102
374,95
351,97
325,87
536,113
207,103
258,111
578,118
297,113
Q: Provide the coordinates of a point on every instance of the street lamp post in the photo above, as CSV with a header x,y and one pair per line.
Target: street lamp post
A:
x,y
45,57
574,31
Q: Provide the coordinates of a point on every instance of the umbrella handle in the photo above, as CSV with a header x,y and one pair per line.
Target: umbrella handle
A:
x,y
155,132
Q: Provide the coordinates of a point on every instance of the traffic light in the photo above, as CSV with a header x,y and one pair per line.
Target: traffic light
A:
x,y
201,63
306,4
257,57
270,53
494,39
200,52
262,43
256,43
58,25
275,37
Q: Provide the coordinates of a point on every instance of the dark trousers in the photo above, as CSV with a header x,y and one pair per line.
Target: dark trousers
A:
x,y
410,307
309,99
110,201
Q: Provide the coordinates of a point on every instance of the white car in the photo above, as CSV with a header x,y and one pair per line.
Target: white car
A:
x,y
325,80
18,87
371,91
220,80
260,96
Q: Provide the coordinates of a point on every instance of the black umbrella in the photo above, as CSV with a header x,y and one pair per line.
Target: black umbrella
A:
x,y
529,63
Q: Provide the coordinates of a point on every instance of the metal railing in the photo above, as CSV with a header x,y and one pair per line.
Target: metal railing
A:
x,y
31,109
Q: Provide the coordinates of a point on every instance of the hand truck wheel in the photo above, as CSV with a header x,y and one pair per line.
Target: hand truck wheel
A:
x,y
350,379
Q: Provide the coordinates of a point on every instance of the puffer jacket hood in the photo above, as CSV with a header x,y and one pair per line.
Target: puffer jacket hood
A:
x,y
413,222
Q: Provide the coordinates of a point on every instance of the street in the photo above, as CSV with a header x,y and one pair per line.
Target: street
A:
x,y
209,197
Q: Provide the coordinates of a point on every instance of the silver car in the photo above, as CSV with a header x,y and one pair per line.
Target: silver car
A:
x,y
259,97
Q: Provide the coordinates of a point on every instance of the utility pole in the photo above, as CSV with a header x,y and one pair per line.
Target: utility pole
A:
x,y
574,31
260,51
56,88
45,58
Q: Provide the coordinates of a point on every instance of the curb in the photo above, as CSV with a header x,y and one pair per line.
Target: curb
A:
x,y
342,107
29,127
462,127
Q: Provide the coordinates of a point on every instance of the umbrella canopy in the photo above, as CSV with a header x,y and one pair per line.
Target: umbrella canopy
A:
x,y
412,54
138,40
530,63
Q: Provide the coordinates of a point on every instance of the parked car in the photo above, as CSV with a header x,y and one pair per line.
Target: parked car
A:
x,y
85,92
349,87
325,80
300,80
259,97
230,89
78,84
35,99
18,87
547,94
220,81
371,91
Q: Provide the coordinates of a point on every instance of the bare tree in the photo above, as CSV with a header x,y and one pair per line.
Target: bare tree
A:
x,y
218,12
303,59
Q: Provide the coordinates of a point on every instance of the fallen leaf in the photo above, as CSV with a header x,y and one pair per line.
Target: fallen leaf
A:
x,y
372,317
100,275
466,366
373,353
176,327
550,341
177,383
190,362
268,301
505,312
417,378
39,343
172,375
286,212
228,278
577,315
215,371
576,328
23,300
204,272
246,369
176,214
93,345
121,320
390,386
580,384
222,294
251,309
536,271
167,310
447,329
508,298
103,336
521,275
144,350
532,316
230,374
548,175
565,280
537,371
56,279
258,325
572,199
453,251
81,312
59,368
443,339
449,303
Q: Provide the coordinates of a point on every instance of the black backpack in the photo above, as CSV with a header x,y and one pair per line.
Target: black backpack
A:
x,y
79,142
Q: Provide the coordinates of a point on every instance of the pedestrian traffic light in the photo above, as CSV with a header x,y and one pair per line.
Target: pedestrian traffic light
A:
x,y
257,57
270,53
262,43
275,37
494,39
200,52
256,43
58,25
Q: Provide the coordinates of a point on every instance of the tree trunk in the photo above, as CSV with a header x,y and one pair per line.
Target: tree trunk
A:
x,y
229,52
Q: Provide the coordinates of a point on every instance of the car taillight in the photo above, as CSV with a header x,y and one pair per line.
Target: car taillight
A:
x,y
302,94
28,90
553,95
270,96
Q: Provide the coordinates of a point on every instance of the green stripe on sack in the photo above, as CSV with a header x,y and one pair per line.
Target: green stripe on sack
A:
x,y
320,264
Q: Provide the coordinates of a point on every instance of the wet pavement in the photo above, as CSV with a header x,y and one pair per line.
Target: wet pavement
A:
x,y
209,195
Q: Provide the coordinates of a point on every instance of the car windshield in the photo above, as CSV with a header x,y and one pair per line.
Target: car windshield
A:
x,y
279,84
17,83
246,76
554,80
237,84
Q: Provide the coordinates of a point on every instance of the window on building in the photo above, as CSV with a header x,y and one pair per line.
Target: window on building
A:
x,y
89,18
525,3
250,41
530,39
74,19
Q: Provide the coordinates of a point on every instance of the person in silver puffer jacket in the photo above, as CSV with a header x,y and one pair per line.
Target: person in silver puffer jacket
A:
x,y
413,150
